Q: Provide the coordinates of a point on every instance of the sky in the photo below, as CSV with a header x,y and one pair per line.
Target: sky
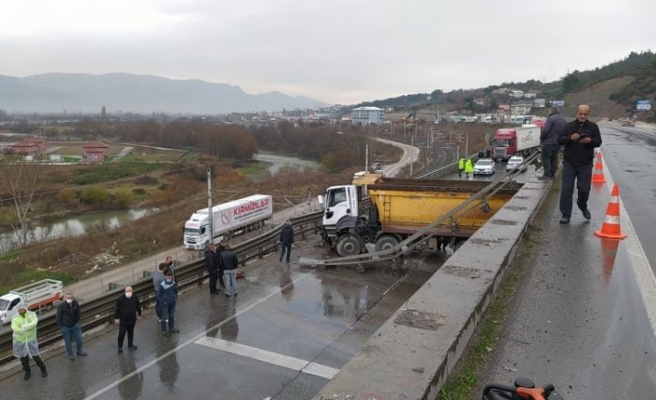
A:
x,y
335,51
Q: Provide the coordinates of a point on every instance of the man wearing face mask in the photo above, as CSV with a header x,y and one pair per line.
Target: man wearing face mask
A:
x,y
167,297
25,343
68,319
128,311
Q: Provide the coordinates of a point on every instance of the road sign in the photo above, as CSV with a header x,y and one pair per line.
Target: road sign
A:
x,y
558,103
643,105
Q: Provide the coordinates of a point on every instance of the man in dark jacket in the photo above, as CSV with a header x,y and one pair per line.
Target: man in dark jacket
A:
x,y
167,294
158,277
219,260
230,262
211,263
128,311
68,319
286,240
551,130
580,137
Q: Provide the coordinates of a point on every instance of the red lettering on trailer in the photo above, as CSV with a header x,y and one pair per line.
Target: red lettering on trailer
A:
x,y
252,206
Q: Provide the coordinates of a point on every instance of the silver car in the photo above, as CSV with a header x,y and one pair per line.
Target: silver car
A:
x,y
484,166
514,162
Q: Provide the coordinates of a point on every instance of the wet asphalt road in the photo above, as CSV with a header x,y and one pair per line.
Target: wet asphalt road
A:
x,y
580,319
287,332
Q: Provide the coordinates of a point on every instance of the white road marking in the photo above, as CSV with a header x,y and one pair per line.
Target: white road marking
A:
x,y
270,357
645,277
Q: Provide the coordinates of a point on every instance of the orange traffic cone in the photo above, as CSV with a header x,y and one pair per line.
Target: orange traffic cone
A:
x,y
608,252
598,173
611,227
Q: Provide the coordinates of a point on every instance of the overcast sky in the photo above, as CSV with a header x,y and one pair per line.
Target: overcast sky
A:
x,y
334,51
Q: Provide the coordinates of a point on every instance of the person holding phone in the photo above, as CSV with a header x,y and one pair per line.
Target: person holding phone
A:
x,y
580,137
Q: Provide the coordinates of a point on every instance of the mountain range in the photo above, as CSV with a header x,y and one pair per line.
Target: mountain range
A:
x,y
56,92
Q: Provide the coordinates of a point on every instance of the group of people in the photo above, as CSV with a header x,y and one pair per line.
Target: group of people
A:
x,y
465,166
221,263
579,139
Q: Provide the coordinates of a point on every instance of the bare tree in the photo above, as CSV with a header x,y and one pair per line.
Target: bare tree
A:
x,y
20,180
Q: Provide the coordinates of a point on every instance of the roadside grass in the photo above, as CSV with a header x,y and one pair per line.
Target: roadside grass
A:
x,y
464,383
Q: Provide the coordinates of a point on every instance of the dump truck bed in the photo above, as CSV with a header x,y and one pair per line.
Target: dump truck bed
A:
x,y
406,205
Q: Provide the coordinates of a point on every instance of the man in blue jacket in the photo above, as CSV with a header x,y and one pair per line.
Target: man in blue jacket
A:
x,y
580,137
167,295
551,130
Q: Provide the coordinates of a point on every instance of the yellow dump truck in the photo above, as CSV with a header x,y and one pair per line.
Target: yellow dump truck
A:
x,y
401,207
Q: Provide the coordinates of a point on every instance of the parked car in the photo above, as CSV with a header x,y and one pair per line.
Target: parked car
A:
x,y
514,162
484,166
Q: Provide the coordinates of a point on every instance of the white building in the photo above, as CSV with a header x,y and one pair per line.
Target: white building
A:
x,y
367,116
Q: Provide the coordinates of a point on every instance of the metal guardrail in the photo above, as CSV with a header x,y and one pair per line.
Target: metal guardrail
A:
x,y
100,311
444,171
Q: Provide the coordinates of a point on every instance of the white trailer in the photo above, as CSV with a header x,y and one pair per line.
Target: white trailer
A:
x,y
37,295
227,219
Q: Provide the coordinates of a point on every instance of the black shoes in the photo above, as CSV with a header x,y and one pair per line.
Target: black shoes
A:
x,y
44,372
120,350
27,375
82,354
544,177
586,214
564,220
174,330
133,347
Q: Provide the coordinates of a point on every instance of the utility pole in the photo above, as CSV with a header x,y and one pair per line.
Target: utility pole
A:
x,y
209,202
366,157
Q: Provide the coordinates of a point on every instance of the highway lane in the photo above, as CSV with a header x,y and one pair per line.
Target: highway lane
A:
x,y
286,334
583,319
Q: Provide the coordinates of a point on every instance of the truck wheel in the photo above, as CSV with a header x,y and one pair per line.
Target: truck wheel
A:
x,y
386,242
348,245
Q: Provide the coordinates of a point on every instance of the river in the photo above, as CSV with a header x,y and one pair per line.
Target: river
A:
x,y
278,161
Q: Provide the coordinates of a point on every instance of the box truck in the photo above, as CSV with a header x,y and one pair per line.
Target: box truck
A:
x,y
522,141
228,218
36,295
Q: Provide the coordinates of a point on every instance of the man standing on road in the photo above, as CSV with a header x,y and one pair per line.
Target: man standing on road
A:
x,y
158,278
461,166
170,265
211,261
25,342
230,263
219,261
286,240
469,168
551,130
579,137
167,294
68,319
128,312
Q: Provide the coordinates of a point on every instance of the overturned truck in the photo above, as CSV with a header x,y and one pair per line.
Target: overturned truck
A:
x,y
382,212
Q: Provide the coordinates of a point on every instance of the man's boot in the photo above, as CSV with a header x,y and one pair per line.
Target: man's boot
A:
x,y
41,365
26,367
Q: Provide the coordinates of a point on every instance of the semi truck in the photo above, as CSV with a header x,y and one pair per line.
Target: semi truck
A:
x,y
229,218
399,208
37,295
521,141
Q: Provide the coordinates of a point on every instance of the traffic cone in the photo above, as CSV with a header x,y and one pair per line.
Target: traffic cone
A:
x,y
611,228
608,252
598,173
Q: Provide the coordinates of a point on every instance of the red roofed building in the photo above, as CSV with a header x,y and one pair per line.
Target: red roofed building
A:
x,y
32,145
95,151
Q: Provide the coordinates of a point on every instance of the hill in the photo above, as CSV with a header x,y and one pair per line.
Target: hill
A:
x,y
611,91
52,93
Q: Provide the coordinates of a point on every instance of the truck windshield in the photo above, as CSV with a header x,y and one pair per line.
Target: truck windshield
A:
x,y
501,142
4,304
336,196
192,231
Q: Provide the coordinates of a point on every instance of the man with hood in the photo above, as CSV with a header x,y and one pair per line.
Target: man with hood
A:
x,y
286,240
549,140
26,344
211,263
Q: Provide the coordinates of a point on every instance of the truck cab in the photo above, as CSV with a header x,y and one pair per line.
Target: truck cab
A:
x,y
196,232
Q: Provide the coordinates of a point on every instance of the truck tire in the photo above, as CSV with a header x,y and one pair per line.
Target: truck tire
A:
x,y
386,242
348,245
